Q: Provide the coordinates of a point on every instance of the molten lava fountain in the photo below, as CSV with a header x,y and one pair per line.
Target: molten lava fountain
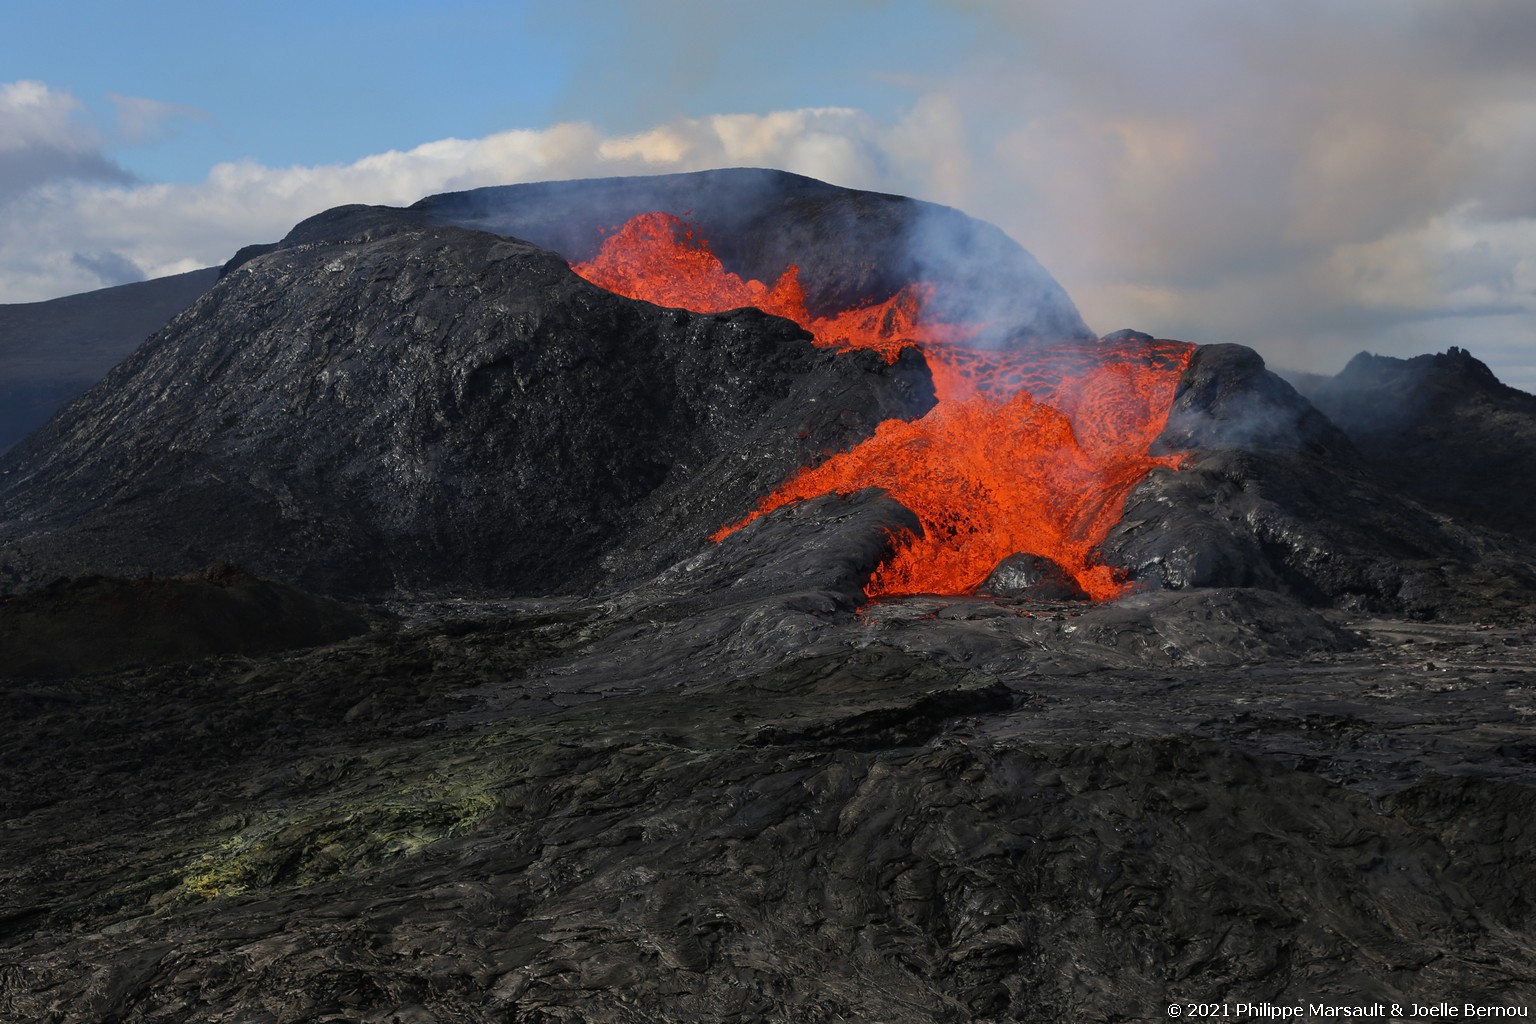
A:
x,y
1029,450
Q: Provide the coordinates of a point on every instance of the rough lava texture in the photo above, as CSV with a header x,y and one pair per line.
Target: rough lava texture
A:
x,y
769,807
714,782
1275,496
1442,429
381,405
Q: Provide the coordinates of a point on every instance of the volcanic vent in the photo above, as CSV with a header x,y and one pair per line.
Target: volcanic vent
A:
x,y
393,401
650,776
403,399
1031,449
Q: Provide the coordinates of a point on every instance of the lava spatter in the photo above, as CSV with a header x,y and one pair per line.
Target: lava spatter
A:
x,y
1027,450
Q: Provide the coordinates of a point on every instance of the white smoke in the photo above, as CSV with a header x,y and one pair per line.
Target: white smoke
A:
x,y
1311,179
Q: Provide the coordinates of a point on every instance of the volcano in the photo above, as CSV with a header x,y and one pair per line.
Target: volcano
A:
x,y
989,471
727,596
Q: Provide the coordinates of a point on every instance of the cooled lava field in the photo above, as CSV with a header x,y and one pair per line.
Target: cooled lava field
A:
x,y
731,597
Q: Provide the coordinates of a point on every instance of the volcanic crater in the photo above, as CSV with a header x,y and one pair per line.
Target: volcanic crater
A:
x,y
728,596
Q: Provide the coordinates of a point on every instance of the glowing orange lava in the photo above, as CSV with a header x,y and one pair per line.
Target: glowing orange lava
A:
x,y
1029,450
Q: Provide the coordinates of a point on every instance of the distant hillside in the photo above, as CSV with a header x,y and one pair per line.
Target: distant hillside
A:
x,y
1444,430
51,352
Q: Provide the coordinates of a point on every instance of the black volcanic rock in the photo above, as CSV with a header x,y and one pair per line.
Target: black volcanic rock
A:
x,y
721,785
381,404
1442,429
851,246
480,820
1275,496
1228,400
831,544
51,352
97,623
1027,575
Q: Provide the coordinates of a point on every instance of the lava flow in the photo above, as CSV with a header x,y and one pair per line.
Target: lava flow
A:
x,y
1029,450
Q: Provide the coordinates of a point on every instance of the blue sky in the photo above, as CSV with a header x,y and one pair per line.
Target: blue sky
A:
x,y
286,83
335,80
1313,179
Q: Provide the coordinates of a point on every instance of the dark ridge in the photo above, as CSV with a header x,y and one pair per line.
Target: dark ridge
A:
x,y
98,623
1227,399
851,246
52,351
336,226
1443,429
1127,336
1275,496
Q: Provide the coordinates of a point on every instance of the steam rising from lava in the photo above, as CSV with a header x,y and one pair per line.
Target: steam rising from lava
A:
x,y
1029,450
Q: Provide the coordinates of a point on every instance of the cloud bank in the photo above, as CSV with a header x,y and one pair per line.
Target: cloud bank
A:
x,y
76,222
1312,179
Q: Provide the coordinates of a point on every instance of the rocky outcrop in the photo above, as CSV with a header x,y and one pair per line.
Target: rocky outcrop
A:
x,y
1443,430
382,405
1274,495
1228,401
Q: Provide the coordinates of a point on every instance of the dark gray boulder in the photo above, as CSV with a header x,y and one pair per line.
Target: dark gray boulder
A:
x,y
1027,575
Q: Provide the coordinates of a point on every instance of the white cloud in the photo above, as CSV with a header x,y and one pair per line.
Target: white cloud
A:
x,y
1311,179
1314,180
64,232
38,117
43,139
